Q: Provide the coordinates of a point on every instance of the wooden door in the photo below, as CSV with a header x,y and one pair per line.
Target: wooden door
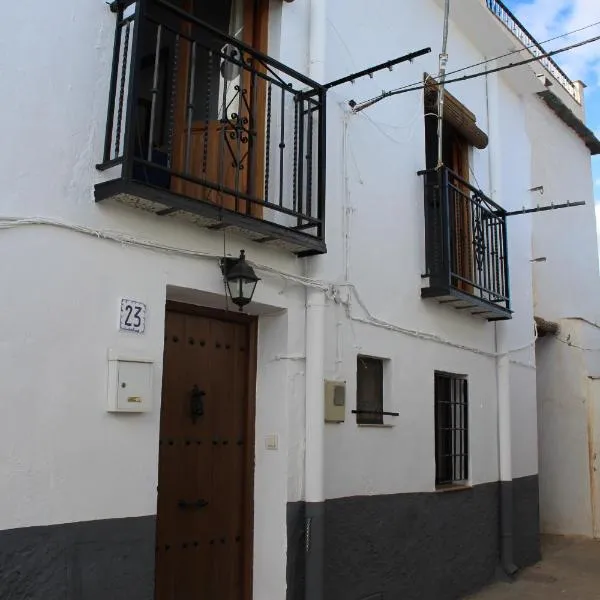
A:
x,y
219,122
206,454
456,158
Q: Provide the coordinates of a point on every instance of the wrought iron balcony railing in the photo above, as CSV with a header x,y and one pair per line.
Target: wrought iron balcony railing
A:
x,y
520,32
204,125
466,247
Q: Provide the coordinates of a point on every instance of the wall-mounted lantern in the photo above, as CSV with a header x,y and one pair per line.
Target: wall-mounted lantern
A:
x,y
240,279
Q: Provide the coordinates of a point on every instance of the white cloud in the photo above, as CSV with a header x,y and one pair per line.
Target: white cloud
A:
x,y
549,18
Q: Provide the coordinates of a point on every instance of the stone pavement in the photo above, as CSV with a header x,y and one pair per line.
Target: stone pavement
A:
x,y
570,570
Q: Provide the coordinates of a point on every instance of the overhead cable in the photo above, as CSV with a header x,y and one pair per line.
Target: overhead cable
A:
x,y
357,107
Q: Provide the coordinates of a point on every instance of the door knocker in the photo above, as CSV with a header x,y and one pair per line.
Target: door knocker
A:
x,y
197,403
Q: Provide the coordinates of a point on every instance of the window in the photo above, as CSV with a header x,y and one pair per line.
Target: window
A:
x,y
460,135
210,106
465,231
451,429
369,390
455,156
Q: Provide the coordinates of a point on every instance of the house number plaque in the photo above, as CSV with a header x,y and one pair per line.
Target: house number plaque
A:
x,y
133,316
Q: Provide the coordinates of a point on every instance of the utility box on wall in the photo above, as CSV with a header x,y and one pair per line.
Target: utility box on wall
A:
x,y
335,401
129,384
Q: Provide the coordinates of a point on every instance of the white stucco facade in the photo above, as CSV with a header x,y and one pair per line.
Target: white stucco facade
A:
x,y
567,286
66,459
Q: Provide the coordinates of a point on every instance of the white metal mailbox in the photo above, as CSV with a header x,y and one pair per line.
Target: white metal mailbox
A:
x,y
129,384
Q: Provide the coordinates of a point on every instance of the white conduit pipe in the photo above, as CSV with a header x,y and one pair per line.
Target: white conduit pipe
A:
x,y
502,358
315,376
505,451
315,368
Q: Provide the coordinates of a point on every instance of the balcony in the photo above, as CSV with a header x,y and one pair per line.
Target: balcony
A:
x,y
508,19
466,247
203,125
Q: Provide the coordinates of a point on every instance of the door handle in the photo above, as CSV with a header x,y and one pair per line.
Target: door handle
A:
x,y
201,503
197,403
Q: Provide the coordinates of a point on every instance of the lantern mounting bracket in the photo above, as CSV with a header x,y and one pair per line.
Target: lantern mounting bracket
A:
x,y
227,263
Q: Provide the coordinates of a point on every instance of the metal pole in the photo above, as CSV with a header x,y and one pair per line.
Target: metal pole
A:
x,y
441,81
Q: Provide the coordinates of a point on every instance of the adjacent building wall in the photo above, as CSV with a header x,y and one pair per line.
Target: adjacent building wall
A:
x,y
567,288
565,497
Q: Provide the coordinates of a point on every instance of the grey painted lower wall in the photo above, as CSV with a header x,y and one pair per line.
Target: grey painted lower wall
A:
x,y
95,560
412,546
526,515
296,556
437,546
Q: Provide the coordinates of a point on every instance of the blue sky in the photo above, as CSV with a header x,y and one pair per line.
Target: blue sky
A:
x,y
546,19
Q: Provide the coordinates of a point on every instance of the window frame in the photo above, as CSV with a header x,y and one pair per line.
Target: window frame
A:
x,y
381,416
457,157
452,446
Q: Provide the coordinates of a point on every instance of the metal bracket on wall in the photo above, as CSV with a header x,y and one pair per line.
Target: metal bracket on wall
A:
x,y
538,208
369,72
375,412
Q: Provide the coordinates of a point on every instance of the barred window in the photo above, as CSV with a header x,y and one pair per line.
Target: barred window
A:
x,y
451,429
369,391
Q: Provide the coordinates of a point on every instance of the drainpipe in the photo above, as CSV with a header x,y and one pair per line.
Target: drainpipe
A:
x,y
315,433
505,455
505,499
315,369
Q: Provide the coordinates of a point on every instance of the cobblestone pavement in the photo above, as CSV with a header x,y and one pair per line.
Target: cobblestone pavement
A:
x,y
570,570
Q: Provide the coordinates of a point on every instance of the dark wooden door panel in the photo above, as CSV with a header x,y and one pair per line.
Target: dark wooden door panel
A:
x,y
212,148
205,460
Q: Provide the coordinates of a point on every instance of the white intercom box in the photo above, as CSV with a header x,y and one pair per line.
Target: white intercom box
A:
x,y
129,383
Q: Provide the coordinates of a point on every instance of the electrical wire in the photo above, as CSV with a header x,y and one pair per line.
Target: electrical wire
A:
x,y
357,107
385,133
530,47
329,288
569,343
344,44
410,125
373,320
127,240
489,60
583,320
475,177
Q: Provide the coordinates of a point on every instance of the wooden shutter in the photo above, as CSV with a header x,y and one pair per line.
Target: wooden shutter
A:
x,y
455,113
